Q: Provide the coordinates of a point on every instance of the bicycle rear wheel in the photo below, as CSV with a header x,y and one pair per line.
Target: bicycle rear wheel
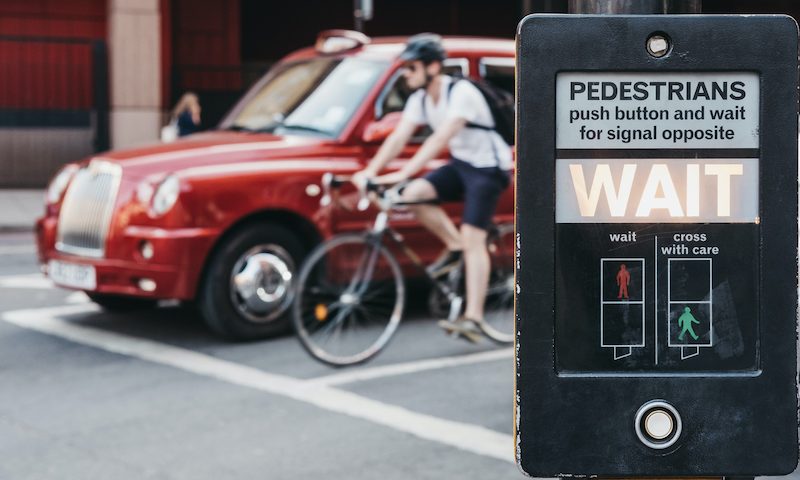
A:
x,y
349,300
498,318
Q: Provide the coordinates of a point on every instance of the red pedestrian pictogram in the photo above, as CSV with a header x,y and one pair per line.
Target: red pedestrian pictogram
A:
x,y
623,280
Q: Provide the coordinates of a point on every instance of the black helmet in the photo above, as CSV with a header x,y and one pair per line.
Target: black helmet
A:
x,y
426,47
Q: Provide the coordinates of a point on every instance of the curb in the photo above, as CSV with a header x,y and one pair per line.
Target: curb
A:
x,y
17,228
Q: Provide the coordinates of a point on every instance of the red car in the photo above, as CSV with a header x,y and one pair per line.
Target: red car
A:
x,y
224,218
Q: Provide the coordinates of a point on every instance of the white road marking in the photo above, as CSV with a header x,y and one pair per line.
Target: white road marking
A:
x,y
77,298
468,437
363,374
17,249
32,281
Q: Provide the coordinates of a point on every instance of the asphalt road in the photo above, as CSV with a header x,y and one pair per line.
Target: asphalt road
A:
x,y
153,394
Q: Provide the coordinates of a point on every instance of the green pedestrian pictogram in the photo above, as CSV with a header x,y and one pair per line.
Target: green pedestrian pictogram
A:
x,y
685,321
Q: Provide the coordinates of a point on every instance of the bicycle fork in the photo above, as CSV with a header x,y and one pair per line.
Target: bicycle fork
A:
x,y
351,297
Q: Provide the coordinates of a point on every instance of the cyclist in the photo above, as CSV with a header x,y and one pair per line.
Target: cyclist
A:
x,y
478,171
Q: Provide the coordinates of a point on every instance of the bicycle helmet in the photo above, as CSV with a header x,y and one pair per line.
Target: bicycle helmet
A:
x,y
426,47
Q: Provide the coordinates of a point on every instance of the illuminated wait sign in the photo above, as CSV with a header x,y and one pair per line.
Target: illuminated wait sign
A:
x,y
657,190
657,147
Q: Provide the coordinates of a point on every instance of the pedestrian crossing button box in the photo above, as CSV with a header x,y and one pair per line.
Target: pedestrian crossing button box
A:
x,y
656,222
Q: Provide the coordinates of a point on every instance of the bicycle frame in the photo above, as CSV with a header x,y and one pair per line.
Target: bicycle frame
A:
x,y
386,201
365,276
381,228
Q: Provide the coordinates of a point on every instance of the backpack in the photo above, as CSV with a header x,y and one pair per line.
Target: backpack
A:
x,y
501,104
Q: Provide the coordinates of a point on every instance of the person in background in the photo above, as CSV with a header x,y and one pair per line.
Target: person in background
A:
x,y
186,114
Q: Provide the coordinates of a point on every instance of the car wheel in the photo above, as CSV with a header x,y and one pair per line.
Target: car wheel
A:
x,y
119,303
247,289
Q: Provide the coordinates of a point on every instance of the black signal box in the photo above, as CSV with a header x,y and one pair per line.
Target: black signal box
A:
x,y
657,245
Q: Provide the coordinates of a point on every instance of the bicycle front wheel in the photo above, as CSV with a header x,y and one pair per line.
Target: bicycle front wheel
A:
x,y
349,300
498,318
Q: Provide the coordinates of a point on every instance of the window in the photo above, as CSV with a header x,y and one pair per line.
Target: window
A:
x,y
393,98
314,97
499,72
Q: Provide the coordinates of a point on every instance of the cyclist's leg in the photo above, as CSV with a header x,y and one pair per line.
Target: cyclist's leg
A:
x,y
476,263
482,193
433,217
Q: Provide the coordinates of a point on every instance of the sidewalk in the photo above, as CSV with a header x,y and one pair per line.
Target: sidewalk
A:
x,y
19,209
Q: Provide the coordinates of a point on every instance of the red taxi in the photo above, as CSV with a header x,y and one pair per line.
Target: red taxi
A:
x,y
224,218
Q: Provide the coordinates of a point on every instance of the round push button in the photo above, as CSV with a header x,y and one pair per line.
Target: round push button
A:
x,y
658,424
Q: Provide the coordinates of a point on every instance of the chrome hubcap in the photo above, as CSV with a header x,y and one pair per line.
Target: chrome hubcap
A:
x,y
348,299
261,283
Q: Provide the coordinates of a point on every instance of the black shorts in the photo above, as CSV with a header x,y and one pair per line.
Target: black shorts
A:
x,y
480,188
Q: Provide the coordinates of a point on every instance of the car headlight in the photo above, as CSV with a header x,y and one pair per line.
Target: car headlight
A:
x,y
166,195
144,193
60,183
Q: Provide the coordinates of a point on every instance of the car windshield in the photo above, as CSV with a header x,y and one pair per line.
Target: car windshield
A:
x,y
313,97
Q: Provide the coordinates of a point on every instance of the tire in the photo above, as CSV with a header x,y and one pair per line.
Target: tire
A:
x,y
120,303
247,289
498,314
498,324
349,300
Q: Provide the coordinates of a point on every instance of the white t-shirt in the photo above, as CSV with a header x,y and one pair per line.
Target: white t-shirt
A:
x,y
465,101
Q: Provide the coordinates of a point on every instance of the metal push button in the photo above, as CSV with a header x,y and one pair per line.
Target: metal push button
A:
x,y
658,424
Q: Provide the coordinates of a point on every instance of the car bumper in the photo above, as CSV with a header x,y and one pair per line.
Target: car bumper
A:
x,y
173,271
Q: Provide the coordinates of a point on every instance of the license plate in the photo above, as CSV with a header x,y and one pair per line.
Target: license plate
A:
x,y
72,275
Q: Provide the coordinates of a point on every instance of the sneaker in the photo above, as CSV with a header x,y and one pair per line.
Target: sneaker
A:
x,y
446,262
467,328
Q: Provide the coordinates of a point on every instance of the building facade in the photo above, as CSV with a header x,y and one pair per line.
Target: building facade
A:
x,y
81,76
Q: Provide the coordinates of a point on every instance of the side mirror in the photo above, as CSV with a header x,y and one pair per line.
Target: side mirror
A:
x,y
377,131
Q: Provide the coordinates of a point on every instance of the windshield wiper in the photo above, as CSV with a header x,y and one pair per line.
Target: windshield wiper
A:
x,y
270,128
266,129
305,128
239,128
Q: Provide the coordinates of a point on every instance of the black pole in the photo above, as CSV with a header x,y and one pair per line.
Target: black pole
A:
x,y
358,15
635,6
102,137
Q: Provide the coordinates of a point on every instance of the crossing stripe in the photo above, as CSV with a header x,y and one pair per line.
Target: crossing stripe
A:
x,y
467,437
17,250
33,281
360,375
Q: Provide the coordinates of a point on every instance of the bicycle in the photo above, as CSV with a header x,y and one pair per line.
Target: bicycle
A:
x,y
350,291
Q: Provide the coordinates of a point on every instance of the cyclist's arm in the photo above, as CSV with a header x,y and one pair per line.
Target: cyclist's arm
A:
x,y
391,147
429,149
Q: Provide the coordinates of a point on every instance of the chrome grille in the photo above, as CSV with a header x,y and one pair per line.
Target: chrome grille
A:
x,y
87,209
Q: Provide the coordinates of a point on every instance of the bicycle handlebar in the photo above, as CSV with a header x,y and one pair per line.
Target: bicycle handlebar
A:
x,y
387,196
331,182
